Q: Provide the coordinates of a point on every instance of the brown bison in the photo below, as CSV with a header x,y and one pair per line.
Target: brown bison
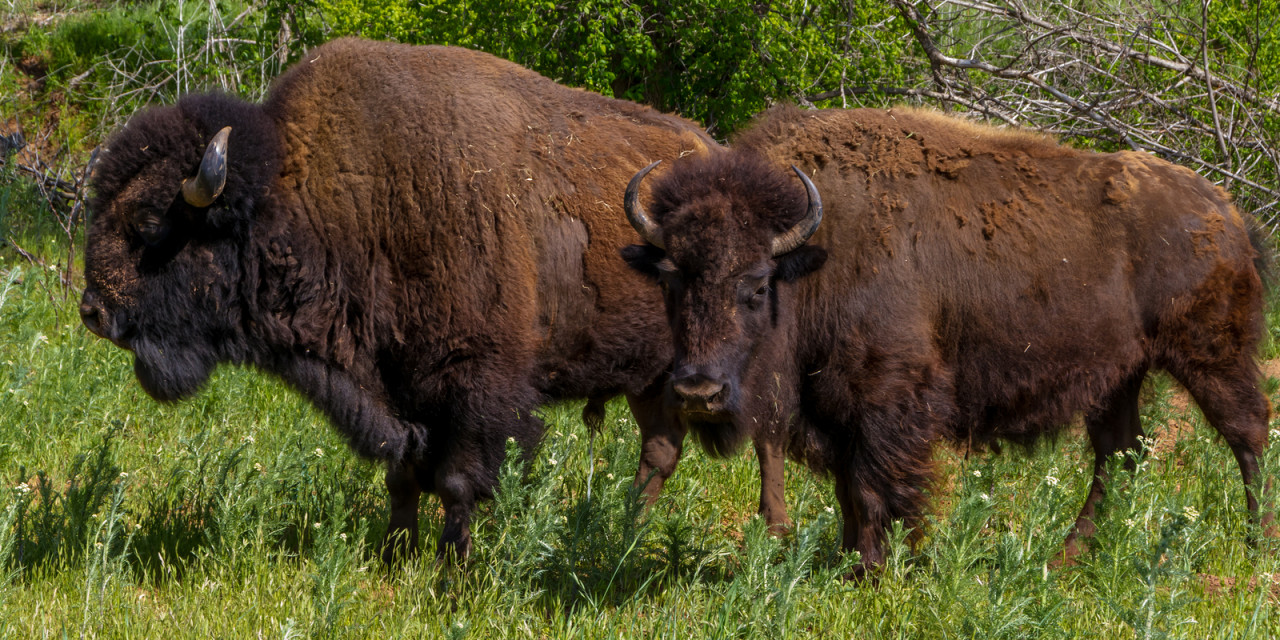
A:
x,y
416,238
966,284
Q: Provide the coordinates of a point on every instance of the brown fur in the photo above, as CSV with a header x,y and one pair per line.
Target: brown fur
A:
x,y
419,239
978,285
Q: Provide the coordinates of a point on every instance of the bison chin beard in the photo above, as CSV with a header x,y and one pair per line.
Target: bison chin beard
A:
x,y
719,437
171,374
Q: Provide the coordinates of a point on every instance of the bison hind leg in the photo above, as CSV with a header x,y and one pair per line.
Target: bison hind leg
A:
x,y
1232,402
1113,426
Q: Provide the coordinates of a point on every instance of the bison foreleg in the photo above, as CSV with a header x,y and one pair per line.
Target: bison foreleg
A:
x,y
458,499
773,503
401,540
883,481
1114,426
865,521
661,440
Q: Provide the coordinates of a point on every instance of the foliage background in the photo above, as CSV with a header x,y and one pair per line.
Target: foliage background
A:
x,y
240,514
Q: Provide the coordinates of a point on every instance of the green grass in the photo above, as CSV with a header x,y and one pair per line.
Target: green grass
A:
x,y
241,514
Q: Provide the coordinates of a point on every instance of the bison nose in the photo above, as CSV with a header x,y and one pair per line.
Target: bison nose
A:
x,y
699,393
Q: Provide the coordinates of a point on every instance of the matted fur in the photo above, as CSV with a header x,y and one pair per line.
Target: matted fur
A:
x,y
979,285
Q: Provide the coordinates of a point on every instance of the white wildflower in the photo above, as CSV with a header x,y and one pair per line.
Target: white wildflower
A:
x,y
319,452
608,476
23,488
977,473
829,509
1051,480
124,475
316,525
1129,522
985,497
552,461
1191,513
249,439
342,536
257,466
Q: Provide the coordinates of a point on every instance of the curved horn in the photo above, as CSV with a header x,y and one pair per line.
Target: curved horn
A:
x,y
207,184
792,238
645,226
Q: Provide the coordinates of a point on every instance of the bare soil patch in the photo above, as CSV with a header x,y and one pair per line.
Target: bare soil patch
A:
x,y
1225,586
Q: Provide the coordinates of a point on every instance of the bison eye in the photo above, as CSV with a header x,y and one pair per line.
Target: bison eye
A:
x,y
151,226
667,279
753,295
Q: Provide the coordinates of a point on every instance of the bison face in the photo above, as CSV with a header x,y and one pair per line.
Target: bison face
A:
x,y
723,238
162,257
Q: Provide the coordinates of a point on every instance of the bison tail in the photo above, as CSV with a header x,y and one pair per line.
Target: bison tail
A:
x,y
1264,258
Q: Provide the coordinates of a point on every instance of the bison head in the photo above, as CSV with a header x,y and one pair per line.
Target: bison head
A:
x,y
725,236
174,194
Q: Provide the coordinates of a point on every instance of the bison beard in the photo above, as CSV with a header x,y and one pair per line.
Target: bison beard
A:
x,y
414,238
968,285
169,375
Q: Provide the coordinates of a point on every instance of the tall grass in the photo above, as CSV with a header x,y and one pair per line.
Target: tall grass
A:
x,y
240,513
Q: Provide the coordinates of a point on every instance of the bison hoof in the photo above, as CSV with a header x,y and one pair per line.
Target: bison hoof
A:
x,y
450,552
780,528
1072,548
398,546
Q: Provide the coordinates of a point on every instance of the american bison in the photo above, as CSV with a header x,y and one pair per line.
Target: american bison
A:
x,y
418,239
939,280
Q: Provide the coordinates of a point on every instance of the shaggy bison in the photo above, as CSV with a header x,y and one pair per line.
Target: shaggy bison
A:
x,y
416,238
943,281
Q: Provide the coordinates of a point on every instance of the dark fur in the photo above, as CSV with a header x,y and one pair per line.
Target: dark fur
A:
x,y
979,285
419,239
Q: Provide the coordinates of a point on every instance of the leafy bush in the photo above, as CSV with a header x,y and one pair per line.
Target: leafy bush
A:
x,y
717,62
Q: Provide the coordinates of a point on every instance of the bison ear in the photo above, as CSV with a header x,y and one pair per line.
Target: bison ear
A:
x,y
643,258
799,263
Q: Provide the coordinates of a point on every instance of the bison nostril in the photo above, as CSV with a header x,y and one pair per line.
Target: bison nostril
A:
x,y
91,317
